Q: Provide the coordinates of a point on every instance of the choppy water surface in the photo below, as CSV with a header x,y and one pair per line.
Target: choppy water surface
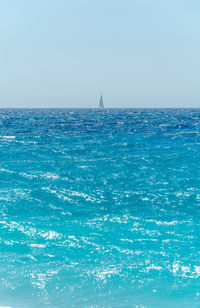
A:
x,y
99,208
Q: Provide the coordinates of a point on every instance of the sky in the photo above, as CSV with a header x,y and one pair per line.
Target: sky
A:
x,y
62,53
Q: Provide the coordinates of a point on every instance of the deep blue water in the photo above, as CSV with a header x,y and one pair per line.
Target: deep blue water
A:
x,y
100,208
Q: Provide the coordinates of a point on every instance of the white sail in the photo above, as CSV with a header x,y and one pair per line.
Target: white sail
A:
x,y
101,106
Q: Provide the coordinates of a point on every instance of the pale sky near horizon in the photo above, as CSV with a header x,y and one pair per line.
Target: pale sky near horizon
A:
x,y
61,53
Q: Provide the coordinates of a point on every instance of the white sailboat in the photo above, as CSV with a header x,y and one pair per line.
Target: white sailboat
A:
x,y
101,105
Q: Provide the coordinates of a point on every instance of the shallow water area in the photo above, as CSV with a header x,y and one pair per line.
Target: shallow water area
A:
x,y
99,208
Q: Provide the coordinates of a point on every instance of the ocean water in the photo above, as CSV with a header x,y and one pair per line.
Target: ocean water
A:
x,y
99,208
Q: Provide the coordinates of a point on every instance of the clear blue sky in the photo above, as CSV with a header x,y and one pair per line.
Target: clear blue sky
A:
x,y
60,53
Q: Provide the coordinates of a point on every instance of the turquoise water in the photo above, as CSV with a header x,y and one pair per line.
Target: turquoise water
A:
x,y
100,208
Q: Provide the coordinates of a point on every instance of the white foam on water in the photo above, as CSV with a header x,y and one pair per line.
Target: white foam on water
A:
x,y
38,245
50,175
50,235
8,137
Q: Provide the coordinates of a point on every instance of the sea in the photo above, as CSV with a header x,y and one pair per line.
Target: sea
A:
x,y
99,208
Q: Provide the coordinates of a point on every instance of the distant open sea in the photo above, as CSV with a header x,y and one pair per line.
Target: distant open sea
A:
x,y
100,208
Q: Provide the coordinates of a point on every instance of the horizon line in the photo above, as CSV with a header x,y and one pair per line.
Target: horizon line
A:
x,y
96,108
